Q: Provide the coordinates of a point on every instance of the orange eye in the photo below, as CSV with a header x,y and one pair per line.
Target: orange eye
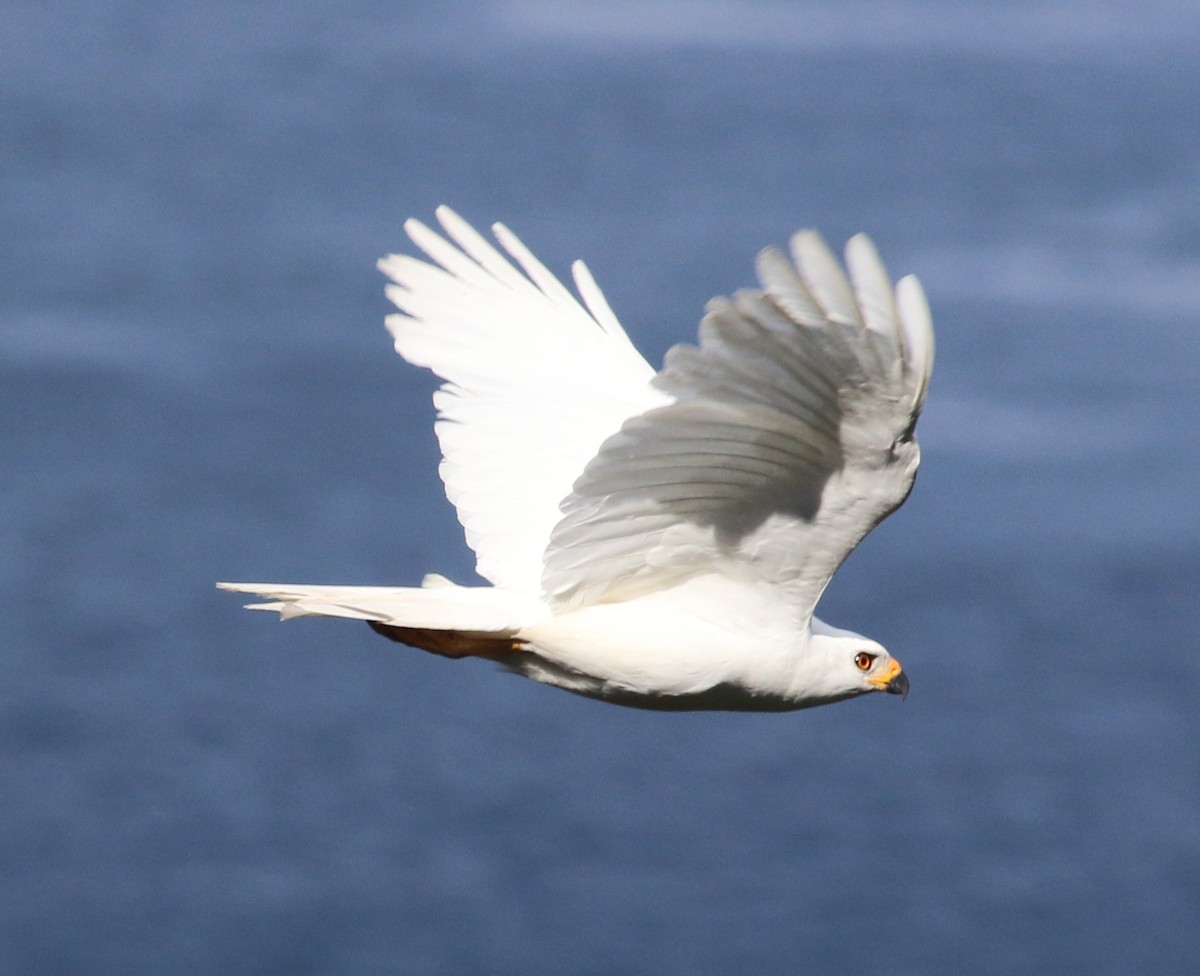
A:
x,y
863,661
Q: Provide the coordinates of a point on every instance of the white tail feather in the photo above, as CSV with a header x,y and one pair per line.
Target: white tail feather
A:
x,y
436,605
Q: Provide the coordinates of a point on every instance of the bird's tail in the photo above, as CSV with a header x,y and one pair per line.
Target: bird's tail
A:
x,y
438,616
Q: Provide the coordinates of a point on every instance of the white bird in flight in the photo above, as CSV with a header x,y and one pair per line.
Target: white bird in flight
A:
x,y
658,540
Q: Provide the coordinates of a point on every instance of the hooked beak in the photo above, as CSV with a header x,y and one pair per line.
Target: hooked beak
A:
x,y
892,679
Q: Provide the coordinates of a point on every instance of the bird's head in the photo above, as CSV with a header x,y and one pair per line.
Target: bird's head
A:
x,y
854,664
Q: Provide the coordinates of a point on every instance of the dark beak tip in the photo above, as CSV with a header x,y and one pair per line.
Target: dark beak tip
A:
x,y
898,685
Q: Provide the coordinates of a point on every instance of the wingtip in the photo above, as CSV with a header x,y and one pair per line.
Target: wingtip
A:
x,y
916,320
862,240
412,226
873,288
861,251
459,230
824,277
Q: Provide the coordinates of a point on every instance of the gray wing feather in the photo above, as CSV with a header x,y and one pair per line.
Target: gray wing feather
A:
x,y
787,439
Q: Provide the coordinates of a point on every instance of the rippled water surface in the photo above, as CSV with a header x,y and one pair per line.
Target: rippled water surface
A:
x,y
196,385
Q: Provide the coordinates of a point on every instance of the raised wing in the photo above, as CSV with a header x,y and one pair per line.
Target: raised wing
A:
x,y
789,437
534,384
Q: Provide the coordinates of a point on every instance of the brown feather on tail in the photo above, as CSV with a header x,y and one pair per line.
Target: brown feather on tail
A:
x,y
449,643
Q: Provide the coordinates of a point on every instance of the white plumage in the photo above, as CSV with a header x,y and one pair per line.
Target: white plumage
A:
x,y
657,540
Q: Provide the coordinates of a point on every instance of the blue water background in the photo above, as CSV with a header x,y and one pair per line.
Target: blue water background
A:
x,y
195,385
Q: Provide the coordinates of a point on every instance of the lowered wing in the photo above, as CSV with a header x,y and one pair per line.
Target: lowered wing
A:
x,y
787,435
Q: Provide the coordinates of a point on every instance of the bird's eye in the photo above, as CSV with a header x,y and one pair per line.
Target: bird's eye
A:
x,y
863,661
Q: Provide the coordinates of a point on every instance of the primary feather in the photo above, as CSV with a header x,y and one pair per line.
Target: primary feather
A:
x,y
655,539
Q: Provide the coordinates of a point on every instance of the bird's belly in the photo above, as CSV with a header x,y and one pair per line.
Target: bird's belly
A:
x,y
723,696
669,651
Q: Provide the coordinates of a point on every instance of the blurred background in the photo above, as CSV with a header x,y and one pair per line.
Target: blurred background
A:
x,y
196,385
